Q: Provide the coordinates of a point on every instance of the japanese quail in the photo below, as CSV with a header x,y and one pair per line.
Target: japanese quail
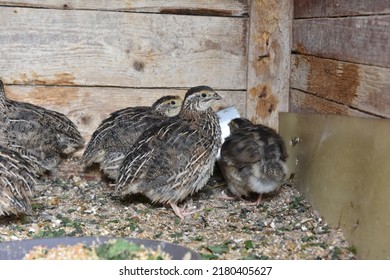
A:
x,y
39,135
116,134
17,182
253,159
175,158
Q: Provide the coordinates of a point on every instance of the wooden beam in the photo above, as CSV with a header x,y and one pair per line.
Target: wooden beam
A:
x,y
268,60
94,48
197,7
357,39
88,106
301,102
359,86
337,8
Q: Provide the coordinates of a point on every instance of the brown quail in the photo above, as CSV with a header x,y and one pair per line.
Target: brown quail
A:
x,y
39,135
116,134
253,159
17,182
175,158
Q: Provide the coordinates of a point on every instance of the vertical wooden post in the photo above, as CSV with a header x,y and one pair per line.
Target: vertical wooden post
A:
x,y
269,55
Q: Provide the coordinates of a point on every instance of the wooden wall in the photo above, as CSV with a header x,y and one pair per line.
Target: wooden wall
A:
x,y
89,58
341,57
269,59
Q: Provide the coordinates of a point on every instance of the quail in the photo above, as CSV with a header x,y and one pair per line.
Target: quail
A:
x,y
39,135
116,134
253,159
17,181
175,158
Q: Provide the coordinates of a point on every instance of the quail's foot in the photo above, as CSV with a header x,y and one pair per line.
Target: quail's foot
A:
x,y
181,211
254,203
225,196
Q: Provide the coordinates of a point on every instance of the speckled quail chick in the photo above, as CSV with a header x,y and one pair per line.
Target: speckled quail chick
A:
x,y
17,182
39,135
175,158
253,159
116,134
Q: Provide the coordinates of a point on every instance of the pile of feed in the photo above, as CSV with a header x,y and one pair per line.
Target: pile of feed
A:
x,y
119,249
283,226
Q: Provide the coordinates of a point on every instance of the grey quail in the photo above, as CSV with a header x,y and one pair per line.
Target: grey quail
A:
x,y
253,159
17,182
116,134
39,135
175,158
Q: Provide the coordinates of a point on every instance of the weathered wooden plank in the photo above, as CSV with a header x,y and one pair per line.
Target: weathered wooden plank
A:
x,y
301,102
197,7
333,8
88,106
364,87
62,47
357,39
269,60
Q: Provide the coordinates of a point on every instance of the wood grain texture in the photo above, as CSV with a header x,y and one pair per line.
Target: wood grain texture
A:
x,y
301,102
197,7
90,48
88,106
366,88
269,60
333,8
357,39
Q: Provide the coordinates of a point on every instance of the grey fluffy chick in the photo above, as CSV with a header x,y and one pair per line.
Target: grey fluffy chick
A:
x,y
116,134
175,159
253,159
39,135
17,182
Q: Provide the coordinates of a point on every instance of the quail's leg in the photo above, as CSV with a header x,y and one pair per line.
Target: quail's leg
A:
x,y
180,211
223,195
257,202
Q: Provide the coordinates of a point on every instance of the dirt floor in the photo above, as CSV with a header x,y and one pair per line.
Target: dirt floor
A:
x,y
283,226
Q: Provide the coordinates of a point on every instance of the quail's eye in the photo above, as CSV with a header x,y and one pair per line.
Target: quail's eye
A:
x,y
204,94
173,102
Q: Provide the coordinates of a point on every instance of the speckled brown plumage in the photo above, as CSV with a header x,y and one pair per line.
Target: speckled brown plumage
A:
x,y
253,159
39,135
17,182
116,134
174,159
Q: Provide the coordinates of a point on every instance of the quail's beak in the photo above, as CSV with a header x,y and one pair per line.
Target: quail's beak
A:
x,y
215,96
219,104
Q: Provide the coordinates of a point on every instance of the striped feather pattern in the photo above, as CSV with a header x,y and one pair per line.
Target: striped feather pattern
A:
x,y
175,158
